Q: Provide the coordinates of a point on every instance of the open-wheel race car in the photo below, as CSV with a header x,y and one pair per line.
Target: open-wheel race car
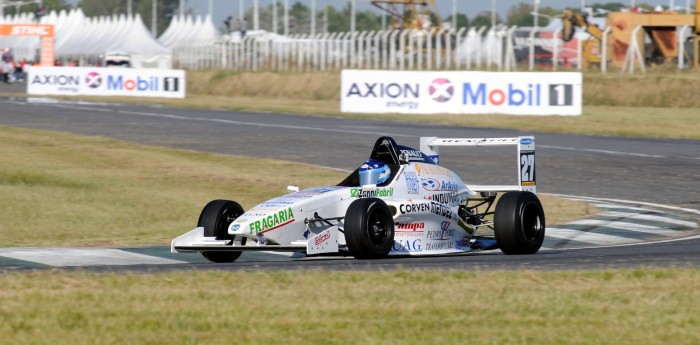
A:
x,y
399,202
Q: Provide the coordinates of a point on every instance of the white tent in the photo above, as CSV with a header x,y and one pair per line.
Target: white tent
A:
x,y
188,31
79,38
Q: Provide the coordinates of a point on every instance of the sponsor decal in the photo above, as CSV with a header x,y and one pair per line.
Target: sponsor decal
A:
x,y
377,193
138,84
531,95
527,168
440,210
60,79
441,90
430,184
171,84
322,238
440,245
409,227
430,169
445,225
93,80
413,155
381,90
440,234
435,158
445,198
273,221
561,94
235,227
30,30
443,234
411,182
526,141
413,208
448,186
409,105
464,243
407,246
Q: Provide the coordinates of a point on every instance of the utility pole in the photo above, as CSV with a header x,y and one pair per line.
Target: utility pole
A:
x,y
256,15
274,17
154,18
313,17
182,8
128,7
352,16
241,12
454,14
493,13
286,17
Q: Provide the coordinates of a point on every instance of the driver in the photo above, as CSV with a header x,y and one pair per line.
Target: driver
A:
x,y
374,172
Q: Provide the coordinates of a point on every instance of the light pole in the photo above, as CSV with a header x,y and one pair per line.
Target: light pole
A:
x,y
128,8
274,17
352,16
286,17
454,14
537,11
154,18
313,17
493,13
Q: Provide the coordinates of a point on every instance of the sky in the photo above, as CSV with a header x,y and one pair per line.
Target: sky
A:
x,y
225,8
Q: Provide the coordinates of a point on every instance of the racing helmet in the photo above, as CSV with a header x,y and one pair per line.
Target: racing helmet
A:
x,y
374,172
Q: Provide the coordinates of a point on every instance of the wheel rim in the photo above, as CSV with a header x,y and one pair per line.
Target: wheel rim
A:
x,y
531,222
227,216
378,229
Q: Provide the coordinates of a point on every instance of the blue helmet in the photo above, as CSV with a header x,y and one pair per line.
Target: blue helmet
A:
x,y
374,172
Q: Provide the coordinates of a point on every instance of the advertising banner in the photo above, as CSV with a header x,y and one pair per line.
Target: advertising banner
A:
x,y
45,31
461,92
101,81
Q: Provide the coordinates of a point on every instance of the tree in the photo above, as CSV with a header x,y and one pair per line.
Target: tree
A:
x,y
462,20
48,6
484,19
522,15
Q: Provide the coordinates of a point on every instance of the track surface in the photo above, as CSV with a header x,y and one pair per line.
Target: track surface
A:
x,y
650,170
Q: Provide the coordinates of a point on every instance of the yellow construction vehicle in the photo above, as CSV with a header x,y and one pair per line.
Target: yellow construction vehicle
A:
x,y
591,46
411,14
660,27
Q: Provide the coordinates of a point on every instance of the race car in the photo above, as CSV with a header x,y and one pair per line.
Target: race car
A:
x,y
400,202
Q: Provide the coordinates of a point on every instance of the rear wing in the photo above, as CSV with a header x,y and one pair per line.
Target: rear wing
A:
x,y
525,158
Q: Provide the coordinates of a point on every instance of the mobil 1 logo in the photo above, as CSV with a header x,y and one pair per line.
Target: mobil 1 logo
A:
x,y
561,94
171,84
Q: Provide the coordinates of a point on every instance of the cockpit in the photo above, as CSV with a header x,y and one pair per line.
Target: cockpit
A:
x,y
386,151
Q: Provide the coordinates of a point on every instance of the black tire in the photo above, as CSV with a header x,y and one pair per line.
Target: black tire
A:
x,y
215,219
519,223
369,229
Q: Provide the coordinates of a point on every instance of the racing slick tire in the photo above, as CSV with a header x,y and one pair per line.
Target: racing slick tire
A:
x,y
369,229
519,223
215,219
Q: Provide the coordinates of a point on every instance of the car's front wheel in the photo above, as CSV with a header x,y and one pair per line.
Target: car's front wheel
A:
x,y
215,218
369,229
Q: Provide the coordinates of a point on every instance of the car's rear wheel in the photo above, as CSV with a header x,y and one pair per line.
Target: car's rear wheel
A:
x,y
215,218
369,229
519,223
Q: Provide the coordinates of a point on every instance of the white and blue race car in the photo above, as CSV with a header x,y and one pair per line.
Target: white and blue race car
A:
x,y
399,202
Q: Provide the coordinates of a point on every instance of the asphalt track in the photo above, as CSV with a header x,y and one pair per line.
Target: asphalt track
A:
x,y
655,171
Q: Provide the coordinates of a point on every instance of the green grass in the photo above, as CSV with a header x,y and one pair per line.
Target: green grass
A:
x,y
625,306
67,190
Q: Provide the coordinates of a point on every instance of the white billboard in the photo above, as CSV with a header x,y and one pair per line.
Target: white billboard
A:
x,y
461,92
100,81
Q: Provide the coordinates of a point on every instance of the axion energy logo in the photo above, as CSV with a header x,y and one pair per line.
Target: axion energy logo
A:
x,y
441,90
93,80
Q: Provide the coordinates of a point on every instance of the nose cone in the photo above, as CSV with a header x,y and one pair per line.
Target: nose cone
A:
x,y
258,221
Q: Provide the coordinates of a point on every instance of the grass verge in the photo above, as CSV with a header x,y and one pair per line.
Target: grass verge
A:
x,y
626,306
67,190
